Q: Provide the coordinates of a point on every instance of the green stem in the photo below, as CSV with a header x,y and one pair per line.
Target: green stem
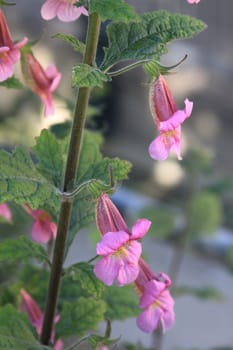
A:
x,y
70,176
127,68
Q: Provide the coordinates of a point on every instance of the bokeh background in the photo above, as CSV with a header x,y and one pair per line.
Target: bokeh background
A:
x,y
190,202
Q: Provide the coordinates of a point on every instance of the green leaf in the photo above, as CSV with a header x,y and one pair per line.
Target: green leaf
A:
x,y
83,273
121,303
14,331
80,316
148,38
204,213
204,293
20,181
113,10
12,83
76,44
84,75
50,154
21,248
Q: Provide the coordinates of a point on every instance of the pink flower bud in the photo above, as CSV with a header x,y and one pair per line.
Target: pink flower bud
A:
x,y
5,212
41,82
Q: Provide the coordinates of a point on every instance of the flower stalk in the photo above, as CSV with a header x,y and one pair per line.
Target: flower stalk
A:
x,y
70,176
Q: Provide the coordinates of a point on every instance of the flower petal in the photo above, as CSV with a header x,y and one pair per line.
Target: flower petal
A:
x,y
106,269
49,9
140,228
151,293
41,231
158,150
111,242
148,320
128,273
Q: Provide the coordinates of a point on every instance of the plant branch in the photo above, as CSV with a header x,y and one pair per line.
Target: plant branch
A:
x,y
69,179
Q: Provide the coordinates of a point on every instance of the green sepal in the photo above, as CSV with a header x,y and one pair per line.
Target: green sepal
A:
x,y
84,75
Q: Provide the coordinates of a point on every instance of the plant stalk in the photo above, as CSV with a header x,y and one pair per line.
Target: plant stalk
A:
x,y
69,180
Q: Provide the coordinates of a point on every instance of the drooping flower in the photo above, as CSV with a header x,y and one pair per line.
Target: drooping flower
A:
x,y
193,1
43,229
35,315
41,82
155,300
65,10
9,51
168,120
119,247
5,212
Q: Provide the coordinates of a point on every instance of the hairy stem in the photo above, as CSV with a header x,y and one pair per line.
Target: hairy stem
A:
x,y
69,179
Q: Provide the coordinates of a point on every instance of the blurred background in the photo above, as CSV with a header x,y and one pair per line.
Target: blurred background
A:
x,y
190,202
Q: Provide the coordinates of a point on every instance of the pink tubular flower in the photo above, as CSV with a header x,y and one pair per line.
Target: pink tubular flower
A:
x,y
41,82
118,247
36,316
9,52
193,1
63,9
168,120
43,229
155,300
5,212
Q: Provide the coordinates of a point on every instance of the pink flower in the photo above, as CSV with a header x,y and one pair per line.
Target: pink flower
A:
x,y
155,300
5,212
193,1
41,82
43,229
9,52
119,248
168,120
36,316
63,9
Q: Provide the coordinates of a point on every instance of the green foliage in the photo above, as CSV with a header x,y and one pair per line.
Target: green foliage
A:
x,y
84,75
148,38
20,181
83,274
50,154
113,10
204,293
13,82
204,213
14,331
92,165
121,303
80,316
21,248
76,44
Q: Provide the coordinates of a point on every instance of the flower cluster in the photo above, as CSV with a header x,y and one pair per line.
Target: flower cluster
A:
x,y
120,261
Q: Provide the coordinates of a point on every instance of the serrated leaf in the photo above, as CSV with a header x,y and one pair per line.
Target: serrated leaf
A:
x,y
121,303
84,75
83,273
148,38
80,316
113,10
21,248
76,44
12,83
20,181
14,331
49,152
